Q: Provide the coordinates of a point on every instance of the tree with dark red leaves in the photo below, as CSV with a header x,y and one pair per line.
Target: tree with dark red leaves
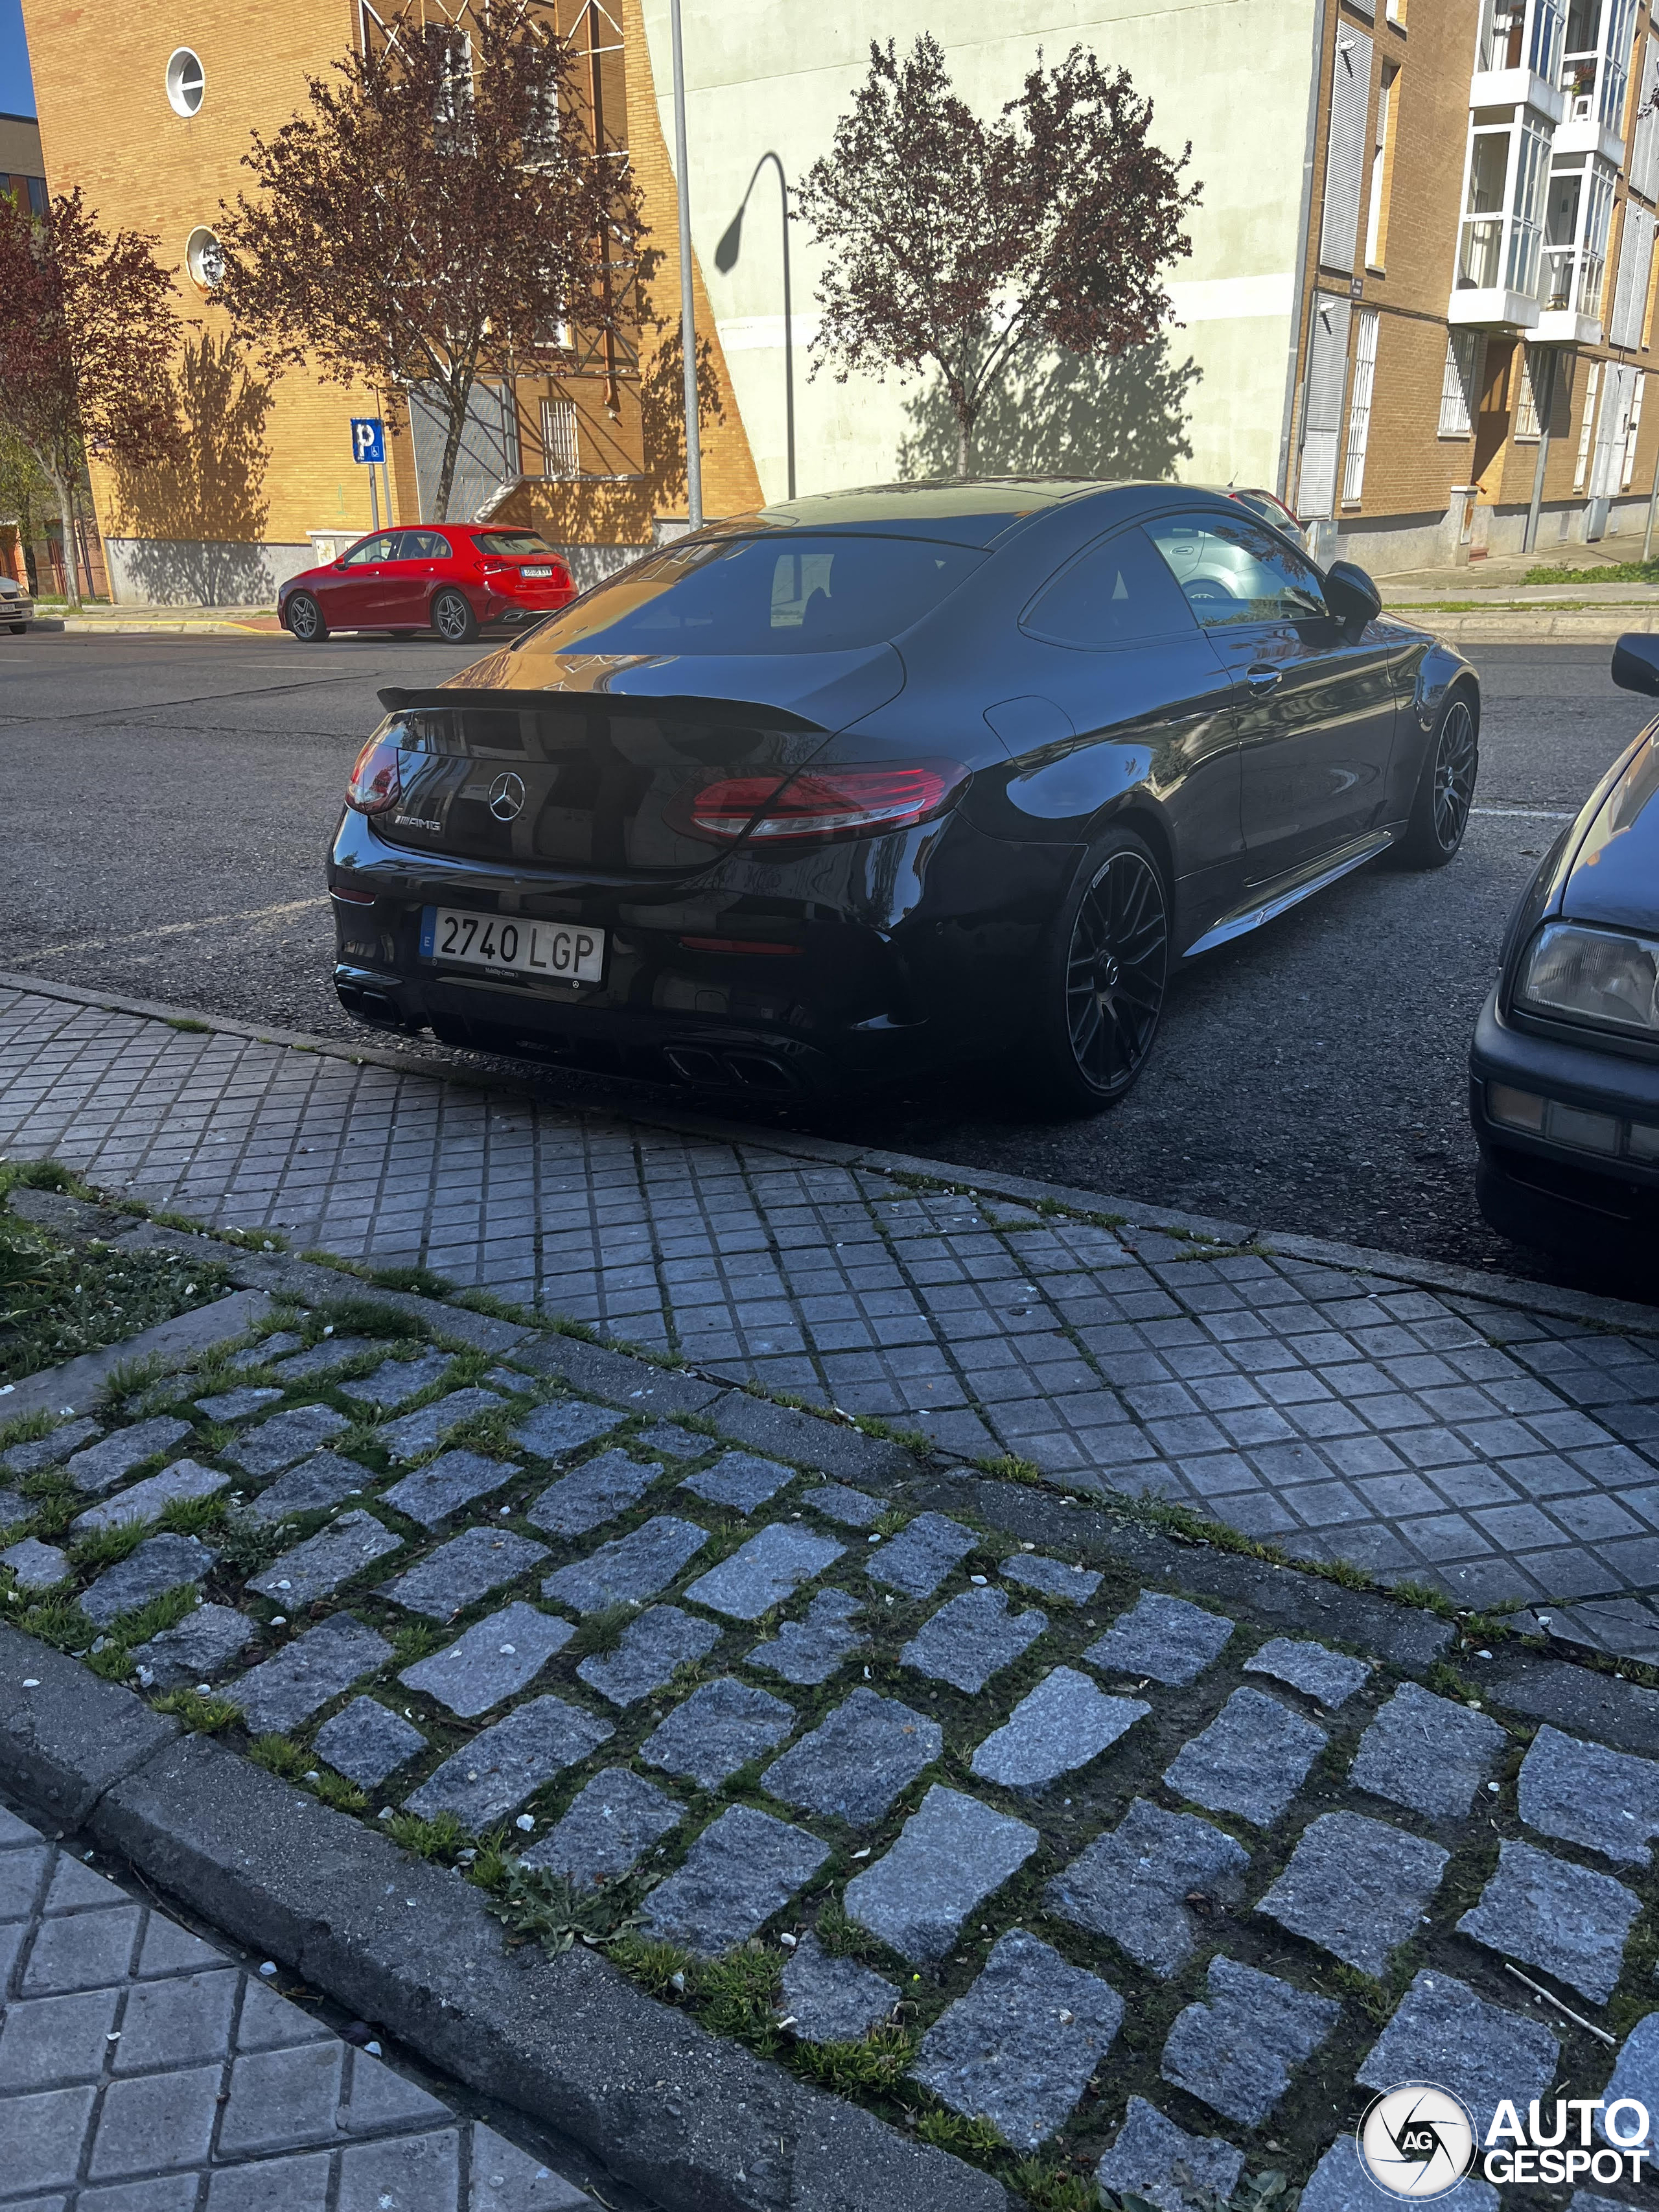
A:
x,y
957,243
445,207
87,335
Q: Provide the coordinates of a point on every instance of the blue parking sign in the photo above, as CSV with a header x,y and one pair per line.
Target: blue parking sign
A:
x,y
367,437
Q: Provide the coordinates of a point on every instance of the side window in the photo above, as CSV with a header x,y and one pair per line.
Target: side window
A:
x,y
1235,571
1115,593
372,549
424,545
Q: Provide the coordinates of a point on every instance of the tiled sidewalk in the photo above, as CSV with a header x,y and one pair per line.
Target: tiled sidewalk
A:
x,y
142,2071
1502,1451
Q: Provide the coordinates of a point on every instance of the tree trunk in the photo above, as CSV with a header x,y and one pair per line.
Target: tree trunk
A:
x,y
66,524
964,426
457,396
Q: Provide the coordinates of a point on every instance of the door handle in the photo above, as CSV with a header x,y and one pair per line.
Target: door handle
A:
x,y
1262,677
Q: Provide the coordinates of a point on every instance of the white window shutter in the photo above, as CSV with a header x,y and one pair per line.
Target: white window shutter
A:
x,y
1322,418
1644,151
1346,149
1630,296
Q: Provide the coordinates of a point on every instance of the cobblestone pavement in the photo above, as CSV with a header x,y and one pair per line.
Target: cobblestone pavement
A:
x,y
1137,1882
142,2070
1497,1451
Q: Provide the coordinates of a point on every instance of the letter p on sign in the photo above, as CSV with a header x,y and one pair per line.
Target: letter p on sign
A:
x,y
367,437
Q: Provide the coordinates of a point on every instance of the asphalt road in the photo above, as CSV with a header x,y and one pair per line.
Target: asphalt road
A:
x,y
167,801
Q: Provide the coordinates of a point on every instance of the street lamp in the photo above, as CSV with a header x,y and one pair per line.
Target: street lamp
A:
x,y
725,259
688,296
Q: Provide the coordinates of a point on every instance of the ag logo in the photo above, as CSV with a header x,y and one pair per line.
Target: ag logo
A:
x,y
506,797
1416,2141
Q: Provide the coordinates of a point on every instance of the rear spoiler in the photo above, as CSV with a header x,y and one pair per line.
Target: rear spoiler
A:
x,y
753,713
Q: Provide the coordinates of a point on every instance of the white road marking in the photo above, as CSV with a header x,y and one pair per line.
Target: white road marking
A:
x,y
1523,813
174,928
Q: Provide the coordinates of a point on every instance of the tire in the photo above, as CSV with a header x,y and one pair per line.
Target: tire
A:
x,y
1100,980
453,619
18,628
1445,790
305,619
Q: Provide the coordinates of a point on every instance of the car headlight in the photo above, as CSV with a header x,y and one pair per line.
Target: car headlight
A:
x,y
1596,975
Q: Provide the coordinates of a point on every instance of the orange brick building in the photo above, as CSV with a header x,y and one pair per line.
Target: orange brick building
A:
x,y
149,111
1477,290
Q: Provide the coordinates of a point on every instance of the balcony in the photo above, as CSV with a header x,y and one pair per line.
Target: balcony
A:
x,y
1577,212
1596,78
1519,60
1500,238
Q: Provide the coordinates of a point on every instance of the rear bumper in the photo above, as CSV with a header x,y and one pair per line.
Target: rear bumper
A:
x,y
1566,1198
896,969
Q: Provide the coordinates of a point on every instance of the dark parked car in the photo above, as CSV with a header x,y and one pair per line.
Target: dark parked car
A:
x,y
1564,1072
455,578
1269,505
877,782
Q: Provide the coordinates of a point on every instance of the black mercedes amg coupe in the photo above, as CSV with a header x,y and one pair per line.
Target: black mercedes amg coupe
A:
x,y
883,781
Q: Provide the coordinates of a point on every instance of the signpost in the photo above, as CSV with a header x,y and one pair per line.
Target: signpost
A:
x,y
369,445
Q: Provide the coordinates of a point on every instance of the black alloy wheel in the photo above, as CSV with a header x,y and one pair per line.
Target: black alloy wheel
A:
x,y
1445,791
305,619
453,619
1105,970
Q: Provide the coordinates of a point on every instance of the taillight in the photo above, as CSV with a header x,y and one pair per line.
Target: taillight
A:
x,y
376,783
830,802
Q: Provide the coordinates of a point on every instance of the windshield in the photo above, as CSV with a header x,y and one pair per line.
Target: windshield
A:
x,y
511,541
817,594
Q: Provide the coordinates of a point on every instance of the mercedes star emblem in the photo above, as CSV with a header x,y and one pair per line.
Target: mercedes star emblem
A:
x,y
506,797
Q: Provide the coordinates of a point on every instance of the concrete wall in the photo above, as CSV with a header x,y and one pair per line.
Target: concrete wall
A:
x,y
1231,75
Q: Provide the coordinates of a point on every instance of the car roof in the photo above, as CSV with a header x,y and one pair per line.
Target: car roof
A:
x,y
968,510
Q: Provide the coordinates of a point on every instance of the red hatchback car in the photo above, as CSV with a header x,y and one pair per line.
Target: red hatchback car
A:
x,y
455,578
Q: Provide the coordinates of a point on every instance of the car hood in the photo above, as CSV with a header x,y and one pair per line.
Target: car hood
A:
x,y
1613,875
829,689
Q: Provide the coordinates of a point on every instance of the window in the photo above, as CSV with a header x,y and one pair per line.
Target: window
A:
x,y
1526,406
424,545
185,82
37,194
560,451
1507,169
750,595
1114,594
383,548
1505,43
1630,435
204,258
1597,68
1236,572
1581,467
1457,384
521,545
1396,12
1578,211
1377,218
1360,404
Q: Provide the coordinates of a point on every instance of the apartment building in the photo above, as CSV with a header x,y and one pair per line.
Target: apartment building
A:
x,y
22,171
1476,317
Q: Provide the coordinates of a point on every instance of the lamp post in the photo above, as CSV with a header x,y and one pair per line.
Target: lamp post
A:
x,y
687,299
725,259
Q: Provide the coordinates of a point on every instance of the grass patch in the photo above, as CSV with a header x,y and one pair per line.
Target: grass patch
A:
x,y
418,1640
107,1548
194,1516
658,1967
59,1622
972,2139
182,1022
1446,1682
536,1906
245,1545
25,1428
279,1754
841,1936
736,1996
879,2063
1426,1596
59,1301
201,1715
1614,572
156,1616
442,1839
335,1791
602,1630
1050,2189
1009,1467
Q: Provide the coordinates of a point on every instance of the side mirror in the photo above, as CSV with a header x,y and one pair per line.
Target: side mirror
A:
x,y
1351,595
1636,662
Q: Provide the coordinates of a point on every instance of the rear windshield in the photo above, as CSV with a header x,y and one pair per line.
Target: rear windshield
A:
x,y
511,541
752,595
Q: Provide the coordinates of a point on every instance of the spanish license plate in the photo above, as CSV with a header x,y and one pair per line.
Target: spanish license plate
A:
x,y
535,572
566,950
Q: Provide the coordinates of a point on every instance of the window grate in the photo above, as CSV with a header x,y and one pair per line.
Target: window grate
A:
x,y
1360,404
1581,467
561,451
1457,384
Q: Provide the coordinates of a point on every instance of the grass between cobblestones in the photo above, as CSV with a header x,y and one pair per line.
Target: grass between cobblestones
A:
x,y
738,1994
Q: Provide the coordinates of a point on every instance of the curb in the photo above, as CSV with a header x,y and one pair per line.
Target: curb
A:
x,y
1614,1314
1591,627
695,2121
